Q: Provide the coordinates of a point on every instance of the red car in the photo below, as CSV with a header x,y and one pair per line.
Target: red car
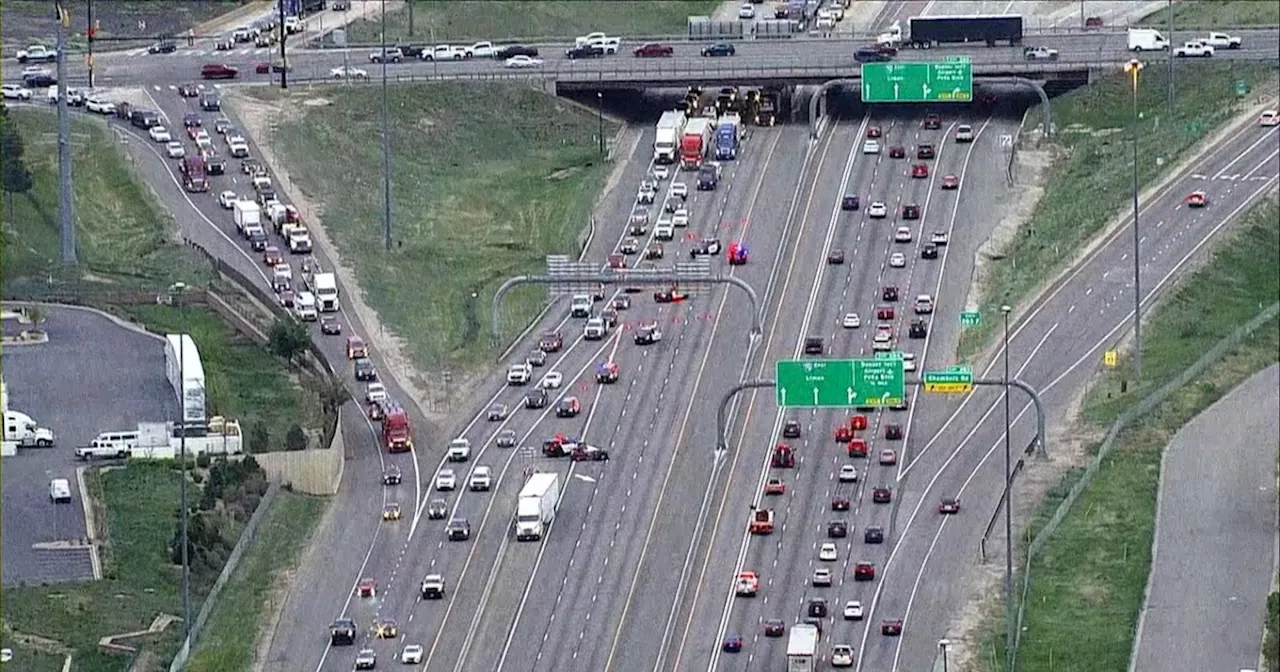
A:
x,y
1196,199
932,122
551,341
774,486
920,170
367,588
655,50
271,256
218,71
881,495
884,313
897,152
950,182
844,434
949,505
888,457
874,132
774,627
864,571
737,254
857,448
858,422
891,627
839,503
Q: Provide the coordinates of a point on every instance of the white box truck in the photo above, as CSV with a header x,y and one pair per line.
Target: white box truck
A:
x,y
667,141
246,213
23,432
536,507
186,375
325,287
802,648
1147,39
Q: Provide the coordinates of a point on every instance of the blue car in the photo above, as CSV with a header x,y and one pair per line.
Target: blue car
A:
x,y
718,50
850,202
871,55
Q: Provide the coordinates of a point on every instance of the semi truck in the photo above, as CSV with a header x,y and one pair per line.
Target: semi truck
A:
x,y
167,440
23,432
396,434
246,214
186,375
728,137
666,142
325,287
536,507
195,178
927,32
695,143
802,648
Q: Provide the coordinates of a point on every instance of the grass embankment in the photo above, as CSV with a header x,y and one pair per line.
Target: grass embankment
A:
x,y
1087,583
487,181
126,242
1086,190
228,642
470,21
1216,14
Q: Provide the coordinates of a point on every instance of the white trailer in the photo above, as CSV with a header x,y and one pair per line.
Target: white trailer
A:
x,y
325,287
536,507
246,214
164,441
666,143
1147,39
186,375
802,648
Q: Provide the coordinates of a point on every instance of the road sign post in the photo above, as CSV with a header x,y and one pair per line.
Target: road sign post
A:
x,y
950,82
954,380
840,383
970,318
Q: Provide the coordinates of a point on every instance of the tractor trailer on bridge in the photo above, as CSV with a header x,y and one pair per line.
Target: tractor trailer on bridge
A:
x,y
927,32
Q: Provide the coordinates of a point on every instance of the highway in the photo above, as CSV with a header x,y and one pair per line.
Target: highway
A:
x,y
116,69
1217,509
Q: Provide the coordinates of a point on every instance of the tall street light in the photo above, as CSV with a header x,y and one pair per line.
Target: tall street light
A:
x,y
1133,67
386,137
600,118
943,646
1008,504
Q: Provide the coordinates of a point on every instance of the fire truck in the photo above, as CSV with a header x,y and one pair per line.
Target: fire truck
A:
x,y
194,176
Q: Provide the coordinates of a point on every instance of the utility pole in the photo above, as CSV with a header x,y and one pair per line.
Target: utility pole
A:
x,y
1172,90
284,63
386,137
66,213
182,496
410,3
89,35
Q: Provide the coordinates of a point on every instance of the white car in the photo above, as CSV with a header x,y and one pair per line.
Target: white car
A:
x,y
853,610
17,92
522,61
664,233
884,334
680,218
908,361
842,655
203,141
552,380
100,106
938,238
343,72
175,149
848,474
446,480
412,654
877,210
375,392
923,304
1269,118
747,11
871,147
661,173
827,552
821,577
897,260
481,479
1040,54
160,134
283,270
679,190
227,200
902,235
851,321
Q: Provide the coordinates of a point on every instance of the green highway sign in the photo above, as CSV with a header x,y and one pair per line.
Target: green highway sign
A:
x,y
955,380
970,318
950,82
839,383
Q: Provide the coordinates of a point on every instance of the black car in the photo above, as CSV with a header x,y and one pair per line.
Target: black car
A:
x,y
191,120
889,293
791,430
814,345
873,535
585,51
342,632
162,47
258,240
707,247
837,529
506,438
391,476
38,81
144,118
929,251
648,335
911,211
515,50
926,151
817,607
918,329
536,399
214,163
437,509
364,369
708,178
721,49
536,358
871,55
188,90
459,529
410,51
210,102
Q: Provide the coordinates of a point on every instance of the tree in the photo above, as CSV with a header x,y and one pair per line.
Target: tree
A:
x,y
331,392
259,437
15,178
289,338
35,315
295,439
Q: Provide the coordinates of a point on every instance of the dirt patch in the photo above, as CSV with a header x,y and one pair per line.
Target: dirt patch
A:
x,y
563,173
259,119
317,102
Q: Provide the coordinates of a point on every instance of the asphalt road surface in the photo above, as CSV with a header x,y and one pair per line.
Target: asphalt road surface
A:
x,y
1214,553
67,386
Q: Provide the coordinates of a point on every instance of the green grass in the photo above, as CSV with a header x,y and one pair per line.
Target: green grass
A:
x,y
1087,584
122,235
242,379
469,21
141,508
487,180
29,660
228,641
1217,14
1093,128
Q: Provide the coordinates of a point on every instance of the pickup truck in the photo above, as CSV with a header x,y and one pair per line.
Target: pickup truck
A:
x,y
1222,41
1194,49
444,52
37,53
481,50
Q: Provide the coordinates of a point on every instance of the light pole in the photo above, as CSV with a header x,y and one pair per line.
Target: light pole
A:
x,y
182,494
386,137
1133,67
600,117
1008,505
943,646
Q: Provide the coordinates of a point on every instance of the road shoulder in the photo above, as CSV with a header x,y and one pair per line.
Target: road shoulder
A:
x,y
1213,555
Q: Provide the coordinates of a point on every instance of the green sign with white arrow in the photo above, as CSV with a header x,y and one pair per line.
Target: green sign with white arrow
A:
x,y
950,82
840,383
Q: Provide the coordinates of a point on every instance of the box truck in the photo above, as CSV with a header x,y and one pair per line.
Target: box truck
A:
x,y
802,648
1147,39
186,375
246,214
536,507
666,142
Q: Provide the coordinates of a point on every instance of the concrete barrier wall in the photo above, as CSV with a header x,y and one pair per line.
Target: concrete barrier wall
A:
x,y
315,471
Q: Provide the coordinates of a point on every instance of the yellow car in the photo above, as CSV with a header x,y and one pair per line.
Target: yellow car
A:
x,y
391,512
386,628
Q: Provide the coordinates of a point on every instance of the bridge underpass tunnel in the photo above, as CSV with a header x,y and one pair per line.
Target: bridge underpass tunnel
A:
x,y
757,105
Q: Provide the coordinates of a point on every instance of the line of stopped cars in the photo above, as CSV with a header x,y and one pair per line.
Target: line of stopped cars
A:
x,y
852,435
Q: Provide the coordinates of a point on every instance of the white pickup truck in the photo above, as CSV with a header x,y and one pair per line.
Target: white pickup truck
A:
x,y
444,52
1194,49
1222,41
37,53
481,50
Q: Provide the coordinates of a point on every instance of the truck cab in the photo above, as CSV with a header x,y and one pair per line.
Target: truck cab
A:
x,y
580,306
21,429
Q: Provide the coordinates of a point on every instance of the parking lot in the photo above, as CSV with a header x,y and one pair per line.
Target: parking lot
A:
x,y
93,375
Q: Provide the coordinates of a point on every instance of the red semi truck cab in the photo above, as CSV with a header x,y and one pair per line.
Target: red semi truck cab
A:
x,y
396,433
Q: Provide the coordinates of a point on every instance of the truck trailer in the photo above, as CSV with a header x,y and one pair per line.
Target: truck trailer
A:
x,y
695,143
928,32
666,143
536,507
802,648
167,440
186,375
